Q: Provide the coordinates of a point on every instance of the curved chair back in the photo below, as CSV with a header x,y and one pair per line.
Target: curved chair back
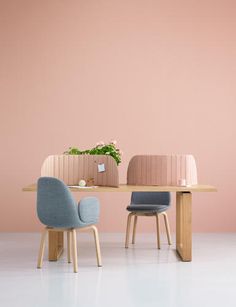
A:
x,y
56,206
154,198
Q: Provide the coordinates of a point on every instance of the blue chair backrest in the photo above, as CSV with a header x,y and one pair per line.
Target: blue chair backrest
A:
x,y
56,206
154,198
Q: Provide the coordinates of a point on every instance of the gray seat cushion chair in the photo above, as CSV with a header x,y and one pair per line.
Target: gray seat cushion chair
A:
x,y
58,211
148,204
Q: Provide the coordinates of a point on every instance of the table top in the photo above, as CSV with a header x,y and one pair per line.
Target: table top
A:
x,y
137,188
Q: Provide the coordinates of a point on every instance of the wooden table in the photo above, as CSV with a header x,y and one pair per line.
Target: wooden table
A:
x,y
183,214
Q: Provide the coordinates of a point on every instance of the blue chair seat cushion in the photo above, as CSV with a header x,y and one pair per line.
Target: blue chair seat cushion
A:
x,y
147,208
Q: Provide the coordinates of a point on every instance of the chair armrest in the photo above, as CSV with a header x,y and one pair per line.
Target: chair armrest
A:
x,y
88,210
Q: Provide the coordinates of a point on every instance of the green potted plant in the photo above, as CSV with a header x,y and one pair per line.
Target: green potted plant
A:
x,y
101,148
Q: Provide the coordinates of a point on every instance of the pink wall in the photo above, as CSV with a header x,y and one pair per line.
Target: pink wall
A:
x,y
157,75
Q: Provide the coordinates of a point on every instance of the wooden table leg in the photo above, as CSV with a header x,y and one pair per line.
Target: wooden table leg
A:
x,y
184,225
55,244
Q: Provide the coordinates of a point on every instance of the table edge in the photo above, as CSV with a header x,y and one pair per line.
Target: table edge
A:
x,y
129,188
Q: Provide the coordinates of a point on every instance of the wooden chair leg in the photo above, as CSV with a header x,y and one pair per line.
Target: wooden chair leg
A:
x,y
41,248
97,244
167,228
134,228
158,231
69,246
128,229
74,250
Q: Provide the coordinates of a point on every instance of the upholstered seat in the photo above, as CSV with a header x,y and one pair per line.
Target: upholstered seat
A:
x,y
147,208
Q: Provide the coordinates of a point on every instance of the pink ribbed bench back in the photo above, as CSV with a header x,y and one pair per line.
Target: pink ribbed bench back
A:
x,y
162,170
72,168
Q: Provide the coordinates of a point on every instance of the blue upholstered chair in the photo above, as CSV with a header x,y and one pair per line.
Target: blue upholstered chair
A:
x,y
58,211
148,204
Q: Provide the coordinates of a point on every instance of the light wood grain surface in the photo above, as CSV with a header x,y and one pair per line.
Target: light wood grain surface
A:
x,y
133,188
184,225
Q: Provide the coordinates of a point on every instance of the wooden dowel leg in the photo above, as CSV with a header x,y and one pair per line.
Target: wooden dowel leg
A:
x,y
97,245
69,246
167,228
158,231
134,228
74,250
128,229
41,248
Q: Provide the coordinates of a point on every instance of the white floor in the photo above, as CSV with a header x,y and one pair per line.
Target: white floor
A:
x,y
139,276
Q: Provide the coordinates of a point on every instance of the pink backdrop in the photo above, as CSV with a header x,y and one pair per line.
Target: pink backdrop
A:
x,y
157,75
